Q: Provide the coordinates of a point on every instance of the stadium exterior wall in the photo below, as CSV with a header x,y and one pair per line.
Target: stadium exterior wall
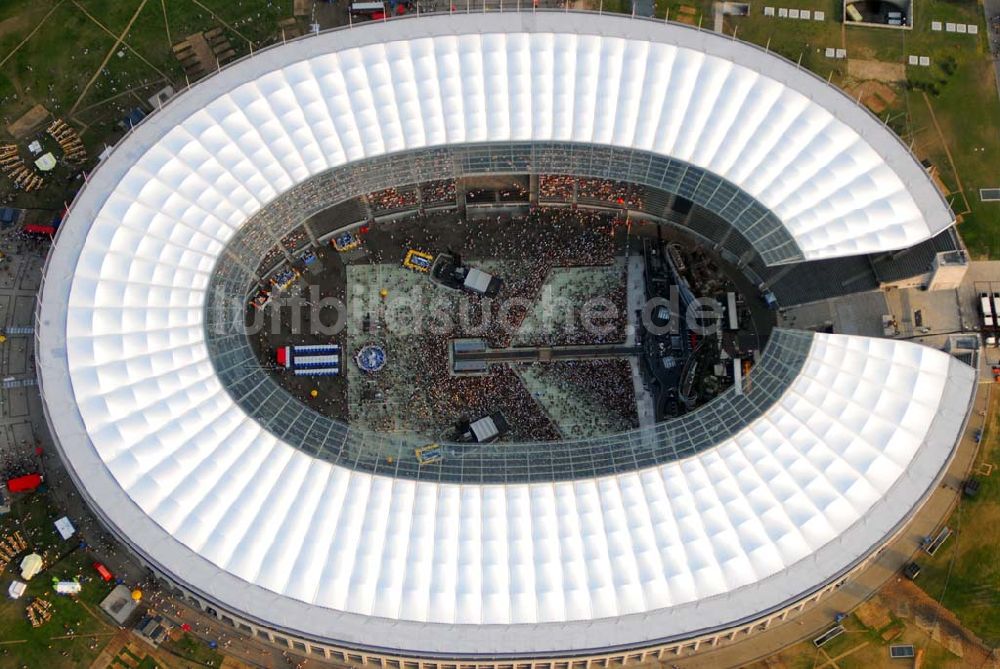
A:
x,y
385,658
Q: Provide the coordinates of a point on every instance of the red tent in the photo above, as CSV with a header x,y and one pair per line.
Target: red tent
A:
x,y
35,229
103,571
24,483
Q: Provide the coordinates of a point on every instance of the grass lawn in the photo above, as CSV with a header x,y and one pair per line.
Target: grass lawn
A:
x,y
67,41
965,574
967,109
855,649
194,649
66,55
41,646
147,663
861,647
43,70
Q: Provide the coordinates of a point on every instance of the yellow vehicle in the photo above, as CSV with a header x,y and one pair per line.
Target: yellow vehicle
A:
x,y
418,261
285,278
429,454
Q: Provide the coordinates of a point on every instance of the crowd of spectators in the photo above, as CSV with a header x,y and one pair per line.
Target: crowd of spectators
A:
x,y
270,259
417,388
599,297
556,187
529,247
16,462
295,239
438,400
515,192
420,391
19,242
393,198
601,391
480,195
608,190
440,191
564,187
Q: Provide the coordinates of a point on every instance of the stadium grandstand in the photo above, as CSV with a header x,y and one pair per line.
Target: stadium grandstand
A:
x,y
337,541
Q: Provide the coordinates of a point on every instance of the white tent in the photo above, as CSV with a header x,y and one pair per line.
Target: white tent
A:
x,y
31,565
68,587
65,528
16,589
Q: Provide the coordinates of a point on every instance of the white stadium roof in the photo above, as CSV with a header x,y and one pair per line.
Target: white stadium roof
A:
x,y
237,515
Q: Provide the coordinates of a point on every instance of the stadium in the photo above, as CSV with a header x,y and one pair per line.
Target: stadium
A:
x,y
335,538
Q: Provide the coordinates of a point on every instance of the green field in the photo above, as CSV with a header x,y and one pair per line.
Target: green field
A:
x,y
45,646
52,48
965,574
863,648
77,59
194,650
78,630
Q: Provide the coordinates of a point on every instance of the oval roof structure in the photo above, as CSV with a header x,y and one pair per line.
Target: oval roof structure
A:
x,y
206,494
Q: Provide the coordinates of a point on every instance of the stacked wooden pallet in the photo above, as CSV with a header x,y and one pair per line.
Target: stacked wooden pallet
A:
x,y
69,140
13,167
11,545
39,612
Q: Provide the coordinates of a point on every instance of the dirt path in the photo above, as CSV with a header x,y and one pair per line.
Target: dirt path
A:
x,y
947,151
14,24
166,23
911,603
875,69
32,33
219,19
832,661
111,51
110,650
127,91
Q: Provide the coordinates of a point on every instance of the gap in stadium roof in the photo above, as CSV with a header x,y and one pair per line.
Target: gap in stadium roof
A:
x,y
558,240
558,263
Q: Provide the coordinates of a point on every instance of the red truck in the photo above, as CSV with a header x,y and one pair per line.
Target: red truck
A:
x,y
27,483
103,571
